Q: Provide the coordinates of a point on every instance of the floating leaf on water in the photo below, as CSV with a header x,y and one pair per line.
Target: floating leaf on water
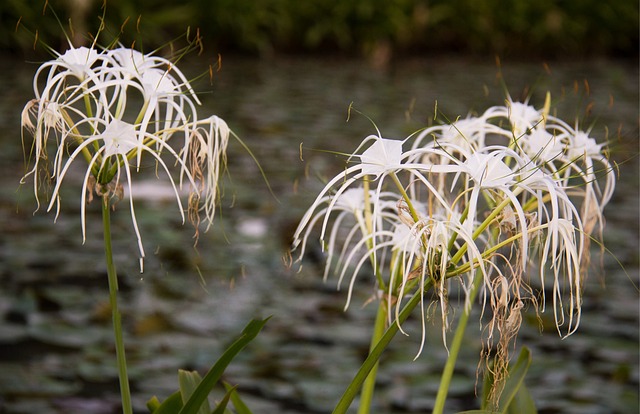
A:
x,y
151,324
28,381
57,333
12,333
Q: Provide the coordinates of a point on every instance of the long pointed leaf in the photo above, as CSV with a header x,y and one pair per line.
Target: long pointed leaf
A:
x,y
515,380
189,381
238,404
222,406
487,385
516,377
252,330
171,405
523,402
375,354
153,404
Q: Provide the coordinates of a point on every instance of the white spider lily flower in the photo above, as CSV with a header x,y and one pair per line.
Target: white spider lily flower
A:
x,y
556,225
51,118
48,120
585,155
373,162
488,170
202,161
79,61
86,103
422,252
531,190
43,114
488,175
383,155
565,254
117,142
469,133
164,95
561,243
584,169
567,153
76,65
67,76
369,239
168,99
350,209
543,147
135,64
583,146
383,158
522,117
119,137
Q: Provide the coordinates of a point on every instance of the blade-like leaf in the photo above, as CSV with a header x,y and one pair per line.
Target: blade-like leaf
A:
x,y
153,404
374,355
222,406
171,405
517,373
515,380
189,381
252,330
238,404
487,385
523,402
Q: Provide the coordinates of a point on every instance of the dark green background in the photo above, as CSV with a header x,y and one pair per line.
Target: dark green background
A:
x,y
512,29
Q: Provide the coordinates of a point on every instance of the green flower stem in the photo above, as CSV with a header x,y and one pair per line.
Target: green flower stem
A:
x,y
454,236
468,266
374,356
366,397
113,301
496,211
456,344
405,196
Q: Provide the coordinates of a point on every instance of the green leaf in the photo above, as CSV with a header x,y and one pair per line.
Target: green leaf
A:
x,y
249,333
189,381
222,406
153,404
523,402
374,355
487,384
512,385
238,404
516,377
171,405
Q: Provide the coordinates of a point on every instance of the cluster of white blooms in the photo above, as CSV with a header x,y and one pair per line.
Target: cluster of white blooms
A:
x,y
112,106
496,195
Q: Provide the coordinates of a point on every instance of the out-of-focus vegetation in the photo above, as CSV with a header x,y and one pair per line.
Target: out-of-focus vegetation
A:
x,y
516,28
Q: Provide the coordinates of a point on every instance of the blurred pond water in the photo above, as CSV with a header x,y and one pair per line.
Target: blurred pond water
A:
x,y
56,353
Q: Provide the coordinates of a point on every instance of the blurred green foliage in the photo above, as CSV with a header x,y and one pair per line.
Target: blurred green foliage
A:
x,y
541,28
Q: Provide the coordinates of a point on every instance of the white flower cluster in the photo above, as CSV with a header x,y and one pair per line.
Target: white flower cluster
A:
x,y
112,106
499,194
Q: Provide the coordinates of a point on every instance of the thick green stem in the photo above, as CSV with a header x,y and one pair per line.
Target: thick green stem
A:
x,y
456,344
113,300
405,196
366,397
